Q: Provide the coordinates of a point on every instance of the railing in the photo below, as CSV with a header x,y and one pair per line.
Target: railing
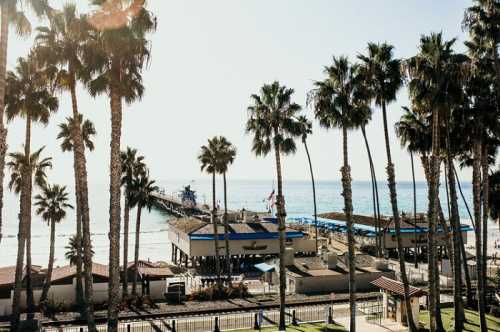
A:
x,y
225,322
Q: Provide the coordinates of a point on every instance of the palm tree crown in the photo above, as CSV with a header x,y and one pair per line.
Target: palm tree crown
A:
x,y
273,119
141,191
38,166
341,99
52,203
72,251
87,129
28,94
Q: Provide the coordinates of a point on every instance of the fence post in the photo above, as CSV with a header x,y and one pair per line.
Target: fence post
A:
x,y
81,329
255,322
216,327
128,327
173,326
294,319
330,318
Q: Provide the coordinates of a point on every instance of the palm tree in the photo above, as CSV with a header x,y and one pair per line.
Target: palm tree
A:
x,y
384,79
338,103
12,13
272,121
494,198
27,96
72,251
227,154
36,167
115,59
51,204
481,19
132,167
142,189
209,159
434,87
306,129
88,131
60,45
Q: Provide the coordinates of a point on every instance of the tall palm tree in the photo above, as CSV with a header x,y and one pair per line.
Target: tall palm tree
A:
x,y
72,251
36,167
306,129
51,204
338,103
88,131
12,13
227,154
481,20
115,59
27,96
414,132
434,87
494,198
132,167
209,159
60,45
272,121
142,190
384,79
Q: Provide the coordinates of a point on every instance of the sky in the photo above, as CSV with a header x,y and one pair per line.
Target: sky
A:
x,y
208,57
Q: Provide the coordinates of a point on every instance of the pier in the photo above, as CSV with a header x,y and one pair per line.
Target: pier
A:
x,y
173,205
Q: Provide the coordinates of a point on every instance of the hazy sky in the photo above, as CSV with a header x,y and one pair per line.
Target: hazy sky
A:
x,y
209,56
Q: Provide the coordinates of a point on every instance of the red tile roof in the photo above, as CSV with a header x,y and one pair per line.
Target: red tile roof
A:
x,y
7,275
396,287
70,271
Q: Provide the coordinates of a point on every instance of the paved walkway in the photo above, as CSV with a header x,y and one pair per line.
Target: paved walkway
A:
x,y
363,325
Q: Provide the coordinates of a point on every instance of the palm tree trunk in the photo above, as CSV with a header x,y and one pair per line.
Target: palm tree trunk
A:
x,y
136,250
48,278
486,209
280,206
468,284
114,206
347,194
18,278
314,195
4,35
28,187
414,207
83,198
216,235
457,234
79,274
226,234
391,178
433,217
376,207
476,190
126,218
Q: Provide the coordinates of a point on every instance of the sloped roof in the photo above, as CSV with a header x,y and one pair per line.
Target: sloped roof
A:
x,y
7,275
64,272
156,272
186,225
396,287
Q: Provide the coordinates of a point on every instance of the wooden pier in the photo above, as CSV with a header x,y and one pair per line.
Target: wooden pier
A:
x,y
173,205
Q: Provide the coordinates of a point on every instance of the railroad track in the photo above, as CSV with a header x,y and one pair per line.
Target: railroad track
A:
x,y
144,316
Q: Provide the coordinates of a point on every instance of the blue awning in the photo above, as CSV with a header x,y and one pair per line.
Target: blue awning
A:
x,y
264,267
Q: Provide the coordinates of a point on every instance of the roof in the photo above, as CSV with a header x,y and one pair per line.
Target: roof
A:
x,y
396,287
243,231
365,225
68,271
7,275
264,267
186,225
162,272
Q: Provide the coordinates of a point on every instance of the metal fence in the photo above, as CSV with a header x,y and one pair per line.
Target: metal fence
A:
x,y
226,322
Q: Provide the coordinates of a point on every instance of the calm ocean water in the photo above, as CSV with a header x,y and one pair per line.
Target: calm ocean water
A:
x,y
248,194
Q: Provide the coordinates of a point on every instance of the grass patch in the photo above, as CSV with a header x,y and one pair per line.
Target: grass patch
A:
x,y
311,327
471,324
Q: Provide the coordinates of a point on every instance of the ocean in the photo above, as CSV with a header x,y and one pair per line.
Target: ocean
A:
x,y
250,195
